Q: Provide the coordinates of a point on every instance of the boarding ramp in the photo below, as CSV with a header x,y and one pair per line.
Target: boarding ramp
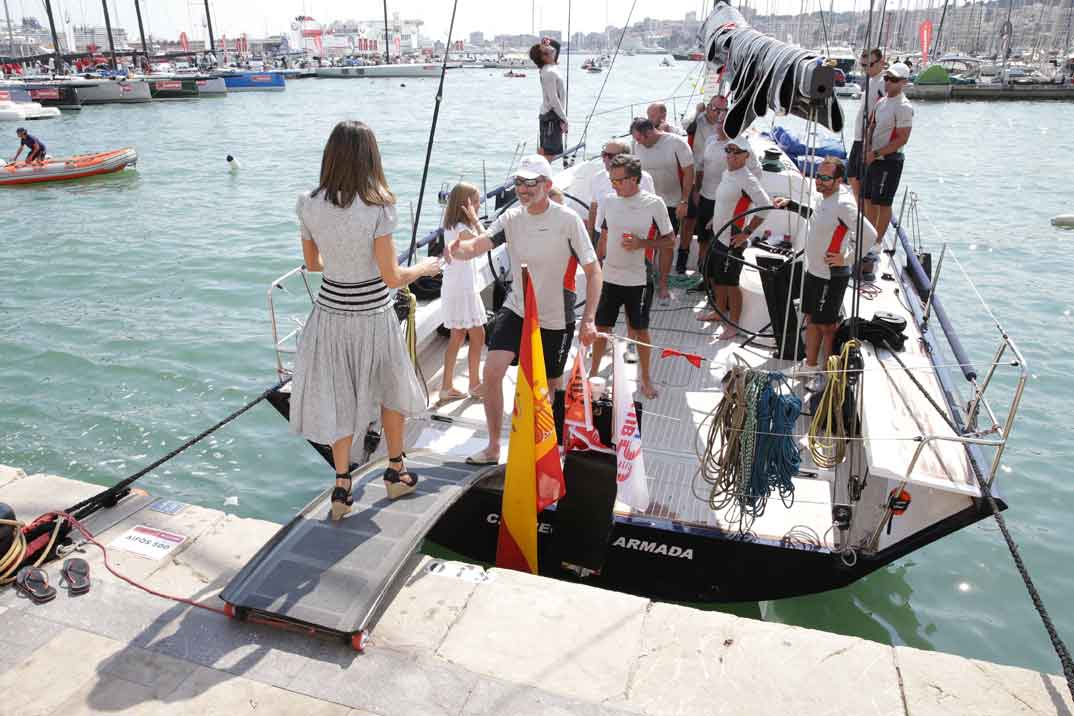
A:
x,y
337,577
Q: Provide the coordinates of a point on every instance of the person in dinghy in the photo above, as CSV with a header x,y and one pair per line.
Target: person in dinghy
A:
x,y
35,145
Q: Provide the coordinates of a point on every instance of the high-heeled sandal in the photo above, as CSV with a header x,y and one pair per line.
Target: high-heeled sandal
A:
x,y
341,499
394,482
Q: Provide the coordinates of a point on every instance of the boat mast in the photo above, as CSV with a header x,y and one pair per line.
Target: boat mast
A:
x,y
1009,30
10,32
55,40
108,29
1066,47
141,31
209,24
939,32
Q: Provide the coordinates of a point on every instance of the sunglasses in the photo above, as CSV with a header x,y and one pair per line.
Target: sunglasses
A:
x,y
620,180
734,150
825,177
519,181
893,79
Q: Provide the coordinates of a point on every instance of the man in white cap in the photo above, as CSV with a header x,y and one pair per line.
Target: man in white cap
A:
x,y
545,236
739,191
889,131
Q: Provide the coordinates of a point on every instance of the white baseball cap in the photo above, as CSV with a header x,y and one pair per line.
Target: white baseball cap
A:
x,y
898,70
742,142
533,166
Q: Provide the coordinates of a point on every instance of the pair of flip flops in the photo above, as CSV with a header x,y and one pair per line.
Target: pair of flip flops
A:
x,y
33,582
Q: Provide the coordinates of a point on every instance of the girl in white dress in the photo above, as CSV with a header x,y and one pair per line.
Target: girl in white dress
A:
x,y
462,309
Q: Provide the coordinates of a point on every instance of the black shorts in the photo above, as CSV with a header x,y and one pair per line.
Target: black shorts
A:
x,y
722,267
674,220
853,160
691,206
504,333
551,136
705,209
882,181
823,297
637,300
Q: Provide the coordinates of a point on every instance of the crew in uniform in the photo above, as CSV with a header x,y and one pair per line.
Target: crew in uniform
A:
x,y
35,145
889,131
740,190
829,252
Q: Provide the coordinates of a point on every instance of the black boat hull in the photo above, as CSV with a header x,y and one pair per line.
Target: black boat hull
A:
x,y
664,560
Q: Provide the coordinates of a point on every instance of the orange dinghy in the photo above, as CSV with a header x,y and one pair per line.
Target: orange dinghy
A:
x,y
77,167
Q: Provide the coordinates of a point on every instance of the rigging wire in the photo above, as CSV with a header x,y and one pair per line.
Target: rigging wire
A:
x,y
608,74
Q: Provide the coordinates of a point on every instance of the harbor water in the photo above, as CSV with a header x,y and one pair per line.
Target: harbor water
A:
x,y
133,307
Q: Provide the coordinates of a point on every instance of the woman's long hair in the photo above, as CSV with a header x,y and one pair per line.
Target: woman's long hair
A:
x,y
350,167
454,213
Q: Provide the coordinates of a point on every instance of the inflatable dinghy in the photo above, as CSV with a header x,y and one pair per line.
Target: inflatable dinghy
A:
x,y
64,168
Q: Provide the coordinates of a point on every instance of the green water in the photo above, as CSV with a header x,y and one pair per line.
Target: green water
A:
x,y
133,311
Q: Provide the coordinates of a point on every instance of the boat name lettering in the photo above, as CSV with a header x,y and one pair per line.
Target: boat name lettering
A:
x,y
49,93
5,95
260,78
542,527
169,85
654,547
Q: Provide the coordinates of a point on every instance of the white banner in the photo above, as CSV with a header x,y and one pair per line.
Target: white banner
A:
x,y
633,487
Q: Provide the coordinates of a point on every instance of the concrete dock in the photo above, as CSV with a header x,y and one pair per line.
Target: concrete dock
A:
x,y
457,639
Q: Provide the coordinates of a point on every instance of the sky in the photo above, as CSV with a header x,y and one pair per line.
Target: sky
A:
x,y
167,18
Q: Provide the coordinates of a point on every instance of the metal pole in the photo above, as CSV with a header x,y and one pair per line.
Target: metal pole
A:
x,y
1010,38
387,57
567,99
209,23
55,39
141,31
108,29
10,32
932,291
1066,46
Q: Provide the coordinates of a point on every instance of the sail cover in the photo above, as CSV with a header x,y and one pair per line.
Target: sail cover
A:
x,y
759,73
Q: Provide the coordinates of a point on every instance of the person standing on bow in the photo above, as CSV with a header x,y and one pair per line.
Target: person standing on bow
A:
x,y
889,131
628,221
670,161
552,122
739,191
35,145
544,236
829,253
873,63
462,311
352,367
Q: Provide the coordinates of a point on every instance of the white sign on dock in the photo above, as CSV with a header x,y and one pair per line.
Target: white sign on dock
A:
x,y
148,542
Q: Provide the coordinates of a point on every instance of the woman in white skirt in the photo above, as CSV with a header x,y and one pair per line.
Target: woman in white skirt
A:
x,y
461,306
352,367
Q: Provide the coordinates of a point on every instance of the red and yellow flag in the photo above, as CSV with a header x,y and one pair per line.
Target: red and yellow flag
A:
x,y
534,477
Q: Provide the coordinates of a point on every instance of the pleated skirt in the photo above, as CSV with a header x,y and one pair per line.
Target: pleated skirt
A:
x,y
347,367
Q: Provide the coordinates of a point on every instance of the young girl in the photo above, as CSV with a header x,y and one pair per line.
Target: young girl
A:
x,y
462,309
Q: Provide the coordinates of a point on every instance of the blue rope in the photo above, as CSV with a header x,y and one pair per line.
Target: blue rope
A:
x,y
776,457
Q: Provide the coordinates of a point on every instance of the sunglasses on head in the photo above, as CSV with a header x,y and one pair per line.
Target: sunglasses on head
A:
x,y
519,181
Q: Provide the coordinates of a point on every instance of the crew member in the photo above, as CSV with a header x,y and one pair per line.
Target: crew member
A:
x,y
657,112
552,122
709,173
600,186
628,218
739,191
543,235
829,252
872,62
669,159
703,128
35,146
889,131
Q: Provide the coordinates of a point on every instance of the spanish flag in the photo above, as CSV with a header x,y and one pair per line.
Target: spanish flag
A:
x,y
534,477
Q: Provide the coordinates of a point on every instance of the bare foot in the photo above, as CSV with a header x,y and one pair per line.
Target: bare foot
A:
x,y
729,334
649,391
446,396
708,316
477,392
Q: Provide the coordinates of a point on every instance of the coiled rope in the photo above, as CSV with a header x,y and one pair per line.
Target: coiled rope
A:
x,y
777,457
828,431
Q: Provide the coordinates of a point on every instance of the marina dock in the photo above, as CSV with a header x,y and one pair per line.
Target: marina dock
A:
x,y
457,639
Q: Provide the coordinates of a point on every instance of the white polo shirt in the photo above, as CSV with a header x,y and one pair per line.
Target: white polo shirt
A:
x,y
663,160
891,113
835,221
631,215
739,190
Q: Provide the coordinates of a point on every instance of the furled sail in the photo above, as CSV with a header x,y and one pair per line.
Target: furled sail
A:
x,y
759,73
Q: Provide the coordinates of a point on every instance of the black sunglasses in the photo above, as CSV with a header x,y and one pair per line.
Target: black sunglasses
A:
x,y
519,181
826,177
893,79
734,150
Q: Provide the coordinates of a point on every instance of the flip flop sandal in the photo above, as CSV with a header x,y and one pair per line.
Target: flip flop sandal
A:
x,y
480,458
76,572
33,582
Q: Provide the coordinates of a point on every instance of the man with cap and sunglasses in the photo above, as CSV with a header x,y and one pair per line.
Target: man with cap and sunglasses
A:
x,y
888,132
544,236
739,191
829,252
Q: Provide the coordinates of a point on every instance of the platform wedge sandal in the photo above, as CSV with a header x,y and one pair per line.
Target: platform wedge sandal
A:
x,y
394,480
341,499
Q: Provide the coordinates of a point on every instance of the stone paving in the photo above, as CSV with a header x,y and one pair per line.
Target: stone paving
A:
x,y
456,640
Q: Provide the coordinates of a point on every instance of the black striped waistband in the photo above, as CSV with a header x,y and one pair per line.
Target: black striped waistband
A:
x,y
363,297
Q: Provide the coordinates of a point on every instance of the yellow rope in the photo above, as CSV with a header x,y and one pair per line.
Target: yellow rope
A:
x,y
12,559
827,432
